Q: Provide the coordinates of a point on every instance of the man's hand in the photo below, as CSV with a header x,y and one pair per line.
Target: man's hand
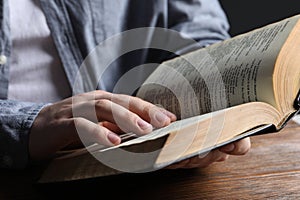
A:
x,y
240,147
99,115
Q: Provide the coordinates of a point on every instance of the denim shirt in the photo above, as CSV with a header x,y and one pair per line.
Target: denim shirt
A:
x,y
77,27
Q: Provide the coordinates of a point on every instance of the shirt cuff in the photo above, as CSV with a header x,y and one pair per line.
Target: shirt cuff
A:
x,y
16,119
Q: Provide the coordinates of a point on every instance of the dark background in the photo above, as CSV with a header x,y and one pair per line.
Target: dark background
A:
x,y
245,15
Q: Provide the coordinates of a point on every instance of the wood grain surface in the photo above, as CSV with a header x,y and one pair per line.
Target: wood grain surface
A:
x,y
271,170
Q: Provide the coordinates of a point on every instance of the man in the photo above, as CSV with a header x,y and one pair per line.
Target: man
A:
x,y
44,43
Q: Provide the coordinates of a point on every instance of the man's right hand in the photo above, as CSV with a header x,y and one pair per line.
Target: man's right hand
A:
x,y
99,115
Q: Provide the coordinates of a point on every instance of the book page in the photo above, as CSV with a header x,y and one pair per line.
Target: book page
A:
x,y
225,74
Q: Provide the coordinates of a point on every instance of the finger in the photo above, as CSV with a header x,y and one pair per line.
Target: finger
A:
x,y
85,97
106,110
111,126
68,134
114,128
240,147
90,96
126,120
178,165
201,162
90,133
213,156
129,102
157,116
223,158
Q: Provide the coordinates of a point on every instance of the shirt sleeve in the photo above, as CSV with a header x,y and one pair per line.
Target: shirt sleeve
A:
x,y
202,20
16,119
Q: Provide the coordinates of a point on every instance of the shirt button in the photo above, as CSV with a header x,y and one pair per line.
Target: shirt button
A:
x,y
3,59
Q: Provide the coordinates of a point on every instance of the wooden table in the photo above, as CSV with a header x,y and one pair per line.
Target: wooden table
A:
x,y
270,170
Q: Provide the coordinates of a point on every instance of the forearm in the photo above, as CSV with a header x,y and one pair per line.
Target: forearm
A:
x,y
16,119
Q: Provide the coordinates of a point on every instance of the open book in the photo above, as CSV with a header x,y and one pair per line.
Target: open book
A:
x,y
237,88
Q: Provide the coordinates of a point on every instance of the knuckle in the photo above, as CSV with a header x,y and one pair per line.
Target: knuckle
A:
x,y
120,98
137,99
242,150
132,124
79,97
95,131
75,122
101,94
244,146
133,118
222,158
148,111
102,103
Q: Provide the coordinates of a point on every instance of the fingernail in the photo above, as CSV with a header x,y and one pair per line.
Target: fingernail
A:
x,y
144,125
228,147
160,117
113,138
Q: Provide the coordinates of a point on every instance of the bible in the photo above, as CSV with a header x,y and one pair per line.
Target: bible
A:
x,y
243,86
